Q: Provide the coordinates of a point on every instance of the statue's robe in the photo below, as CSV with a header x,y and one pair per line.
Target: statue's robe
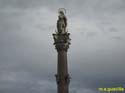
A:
x,y
62,24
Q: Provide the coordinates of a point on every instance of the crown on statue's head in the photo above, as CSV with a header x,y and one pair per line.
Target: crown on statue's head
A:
x,y
62,11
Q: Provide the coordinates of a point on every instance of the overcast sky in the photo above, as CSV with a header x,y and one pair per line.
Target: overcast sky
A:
x,y
28,58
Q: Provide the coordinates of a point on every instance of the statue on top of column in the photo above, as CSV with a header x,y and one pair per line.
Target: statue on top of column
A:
x,y
62,21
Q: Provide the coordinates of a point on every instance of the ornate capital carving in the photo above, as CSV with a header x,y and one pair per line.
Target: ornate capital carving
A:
x,y
61,41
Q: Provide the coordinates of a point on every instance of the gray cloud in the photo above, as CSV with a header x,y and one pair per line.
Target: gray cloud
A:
x,y
27,55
